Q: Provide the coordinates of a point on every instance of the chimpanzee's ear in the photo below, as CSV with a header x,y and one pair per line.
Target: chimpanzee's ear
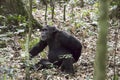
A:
x,y
54,29
47,26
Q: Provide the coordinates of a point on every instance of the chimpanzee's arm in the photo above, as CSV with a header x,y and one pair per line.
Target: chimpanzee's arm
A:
x,y
70,43
37,48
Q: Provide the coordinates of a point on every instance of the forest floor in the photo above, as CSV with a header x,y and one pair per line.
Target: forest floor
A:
x,y
86,31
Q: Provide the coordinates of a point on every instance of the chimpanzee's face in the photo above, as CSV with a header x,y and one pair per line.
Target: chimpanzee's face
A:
x,y
44,33
47,32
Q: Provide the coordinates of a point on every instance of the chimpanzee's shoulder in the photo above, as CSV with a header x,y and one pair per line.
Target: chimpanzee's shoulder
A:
x,y
62,34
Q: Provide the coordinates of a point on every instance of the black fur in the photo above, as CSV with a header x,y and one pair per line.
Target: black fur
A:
x,y
64,49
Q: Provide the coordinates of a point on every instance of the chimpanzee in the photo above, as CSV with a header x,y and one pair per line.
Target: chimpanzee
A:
x,y
64,49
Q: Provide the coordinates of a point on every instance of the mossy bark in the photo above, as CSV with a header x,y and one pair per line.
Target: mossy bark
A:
x,y
8,7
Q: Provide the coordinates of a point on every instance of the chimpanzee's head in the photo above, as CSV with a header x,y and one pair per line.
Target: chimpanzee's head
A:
x,y
47,32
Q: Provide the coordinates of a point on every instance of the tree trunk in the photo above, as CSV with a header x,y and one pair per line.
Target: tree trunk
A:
x,y
16,7
100,59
